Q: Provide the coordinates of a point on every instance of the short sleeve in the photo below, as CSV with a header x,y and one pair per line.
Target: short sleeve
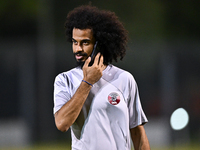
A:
x,y
136,113
61,92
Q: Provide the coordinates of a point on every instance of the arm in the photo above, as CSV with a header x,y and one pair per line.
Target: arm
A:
x,y
69,112
139,138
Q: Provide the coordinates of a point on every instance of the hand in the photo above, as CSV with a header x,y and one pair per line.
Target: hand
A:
x,y
93,73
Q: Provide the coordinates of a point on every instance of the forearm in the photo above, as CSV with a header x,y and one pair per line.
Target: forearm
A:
x,y
142,143
139,138
67,115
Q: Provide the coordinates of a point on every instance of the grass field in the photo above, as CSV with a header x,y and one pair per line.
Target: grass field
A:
x,y
64,146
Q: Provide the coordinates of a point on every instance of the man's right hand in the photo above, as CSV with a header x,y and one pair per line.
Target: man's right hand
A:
x,y
93,73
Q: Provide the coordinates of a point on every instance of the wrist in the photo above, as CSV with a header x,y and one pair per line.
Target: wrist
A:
x,y
87,82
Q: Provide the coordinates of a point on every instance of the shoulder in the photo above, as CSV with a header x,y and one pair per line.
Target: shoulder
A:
x,y
72,76
119,77
69,74
123,74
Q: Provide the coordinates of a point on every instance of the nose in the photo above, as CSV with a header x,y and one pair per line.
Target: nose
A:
x,y
78,48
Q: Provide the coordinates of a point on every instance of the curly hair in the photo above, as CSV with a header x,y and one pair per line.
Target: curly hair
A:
x,y
107,30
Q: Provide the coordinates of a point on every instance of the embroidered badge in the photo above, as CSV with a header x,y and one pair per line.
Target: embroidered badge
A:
x,y
114,98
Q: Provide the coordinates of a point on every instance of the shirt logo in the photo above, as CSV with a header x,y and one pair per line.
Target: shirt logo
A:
x,y
114,98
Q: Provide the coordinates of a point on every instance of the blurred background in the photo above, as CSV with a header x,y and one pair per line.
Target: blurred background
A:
x,y
163,55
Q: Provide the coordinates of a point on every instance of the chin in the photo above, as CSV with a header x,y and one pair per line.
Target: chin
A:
x,y
80,64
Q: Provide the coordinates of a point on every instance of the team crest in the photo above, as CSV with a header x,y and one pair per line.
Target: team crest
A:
x,y
114,98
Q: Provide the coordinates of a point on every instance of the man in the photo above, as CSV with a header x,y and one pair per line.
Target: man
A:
x,y
98,101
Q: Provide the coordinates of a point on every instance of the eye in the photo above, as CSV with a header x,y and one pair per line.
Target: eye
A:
x,y
85,42
74,42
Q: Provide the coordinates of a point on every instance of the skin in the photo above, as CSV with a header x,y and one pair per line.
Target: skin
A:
x,y
83,44
139,138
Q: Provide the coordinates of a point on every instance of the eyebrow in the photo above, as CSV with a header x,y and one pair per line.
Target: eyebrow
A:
x,y
73,39
84,40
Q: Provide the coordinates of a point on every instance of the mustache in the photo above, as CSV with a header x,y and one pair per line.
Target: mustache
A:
x,y
81,54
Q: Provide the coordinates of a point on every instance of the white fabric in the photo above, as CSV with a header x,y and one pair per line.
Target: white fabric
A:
x,y
101,125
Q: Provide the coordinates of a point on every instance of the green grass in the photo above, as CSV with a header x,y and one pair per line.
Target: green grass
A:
x,y
44,146
65,146
178,148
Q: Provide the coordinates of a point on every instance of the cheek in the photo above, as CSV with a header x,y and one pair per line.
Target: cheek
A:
x,y
89,50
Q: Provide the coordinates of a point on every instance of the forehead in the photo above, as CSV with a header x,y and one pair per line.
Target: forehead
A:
x,y
80,34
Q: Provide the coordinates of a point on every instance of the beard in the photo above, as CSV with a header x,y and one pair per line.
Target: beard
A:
x,y
80,63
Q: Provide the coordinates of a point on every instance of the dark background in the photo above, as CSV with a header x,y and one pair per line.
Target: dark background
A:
x,y
163,55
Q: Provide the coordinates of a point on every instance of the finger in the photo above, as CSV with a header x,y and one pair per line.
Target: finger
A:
x,y
96,60
101,60
101,65
87,62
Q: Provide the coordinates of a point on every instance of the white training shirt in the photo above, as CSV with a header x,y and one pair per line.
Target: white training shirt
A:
x,y
112,108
